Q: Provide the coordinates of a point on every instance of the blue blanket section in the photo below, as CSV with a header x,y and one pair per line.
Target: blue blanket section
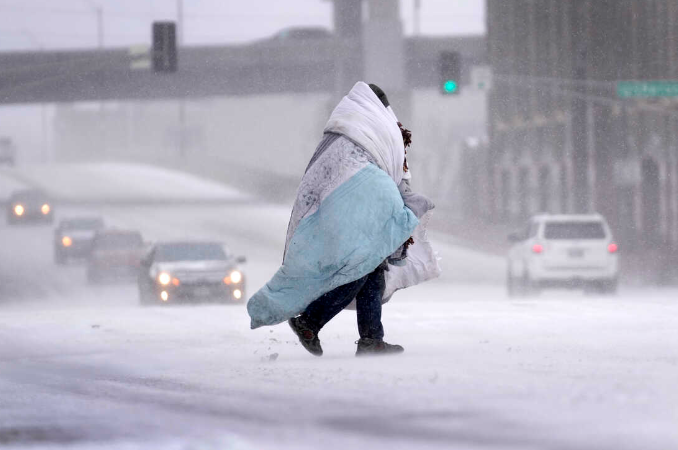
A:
x,y
356,227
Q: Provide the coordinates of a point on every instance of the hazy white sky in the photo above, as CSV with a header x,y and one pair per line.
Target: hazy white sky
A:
x,y
31,24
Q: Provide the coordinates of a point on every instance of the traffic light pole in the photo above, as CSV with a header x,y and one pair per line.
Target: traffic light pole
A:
x,y
100,26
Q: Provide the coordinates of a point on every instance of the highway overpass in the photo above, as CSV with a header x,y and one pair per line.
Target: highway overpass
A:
x,y
261,67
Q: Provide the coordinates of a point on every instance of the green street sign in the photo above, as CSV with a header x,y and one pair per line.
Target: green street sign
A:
x,y
647,89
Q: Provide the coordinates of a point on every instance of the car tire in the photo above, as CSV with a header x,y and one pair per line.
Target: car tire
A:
x,y
516,287
59,258
609,287
519,286
144,298
511,288
93,277
527,287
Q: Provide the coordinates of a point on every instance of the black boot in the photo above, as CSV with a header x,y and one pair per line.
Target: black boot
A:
x,y
368,346
307,336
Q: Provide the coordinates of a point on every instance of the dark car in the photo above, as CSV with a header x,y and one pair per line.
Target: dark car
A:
x,y
29,206
73,237
302,34
174,272
297,36
115,254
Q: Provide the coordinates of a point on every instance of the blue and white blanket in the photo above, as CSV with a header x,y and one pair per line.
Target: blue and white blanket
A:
x,y
349,215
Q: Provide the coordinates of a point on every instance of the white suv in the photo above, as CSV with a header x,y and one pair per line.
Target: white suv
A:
x,y
563,251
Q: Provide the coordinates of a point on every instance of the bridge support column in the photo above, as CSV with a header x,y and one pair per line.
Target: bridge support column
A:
x,y
348,27
384,55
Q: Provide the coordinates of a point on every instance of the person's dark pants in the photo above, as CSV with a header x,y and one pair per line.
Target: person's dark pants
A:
x,y
368,292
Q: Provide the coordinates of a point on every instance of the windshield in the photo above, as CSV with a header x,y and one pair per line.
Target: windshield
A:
x,y
119,241
190,252
29,197
574,230
83,224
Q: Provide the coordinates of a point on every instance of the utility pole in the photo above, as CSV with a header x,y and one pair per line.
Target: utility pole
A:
x,y
384,54
182,102
348,27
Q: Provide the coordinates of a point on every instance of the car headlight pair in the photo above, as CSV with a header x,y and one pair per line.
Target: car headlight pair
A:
x,y
235,277
19,210
165,279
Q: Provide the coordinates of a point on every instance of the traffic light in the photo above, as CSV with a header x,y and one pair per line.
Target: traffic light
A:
x,y
449,64
164,47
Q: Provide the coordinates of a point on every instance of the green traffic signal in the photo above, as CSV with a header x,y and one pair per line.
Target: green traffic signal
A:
x,y
450,86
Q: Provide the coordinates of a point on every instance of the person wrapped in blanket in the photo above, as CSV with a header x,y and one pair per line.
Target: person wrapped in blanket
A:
x,y
357,232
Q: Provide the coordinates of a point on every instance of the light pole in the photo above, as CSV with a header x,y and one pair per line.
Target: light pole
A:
x,y
99,12
417,17
100,26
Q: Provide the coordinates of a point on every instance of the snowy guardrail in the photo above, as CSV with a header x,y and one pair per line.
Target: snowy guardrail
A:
x,y
116,183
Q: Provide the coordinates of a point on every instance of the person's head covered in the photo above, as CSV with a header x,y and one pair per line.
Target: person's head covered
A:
x,y
365,116
381,95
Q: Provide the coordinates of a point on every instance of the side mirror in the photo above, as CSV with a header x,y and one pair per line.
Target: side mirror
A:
x,y
241,260
515,237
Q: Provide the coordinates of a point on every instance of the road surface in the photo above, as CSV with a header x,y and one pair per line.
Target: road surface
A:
x,y
85,367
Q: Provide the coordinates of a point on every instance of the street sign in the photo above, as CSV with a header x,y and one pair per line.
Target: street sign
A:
x,y
647,89
139,57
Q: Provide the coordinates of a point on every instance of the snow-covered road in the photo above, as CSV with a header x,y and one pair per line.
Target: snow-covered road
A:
x,y
85,367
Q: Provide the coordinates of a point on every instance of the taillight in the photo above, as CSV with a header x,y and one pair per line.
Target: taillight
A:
x,y
537,248
612,248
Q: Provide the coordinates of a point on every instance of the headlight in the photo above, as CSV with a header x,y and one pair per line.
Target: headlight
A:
x,y
236,277
66,241
45,209
164,278
237,294
19,210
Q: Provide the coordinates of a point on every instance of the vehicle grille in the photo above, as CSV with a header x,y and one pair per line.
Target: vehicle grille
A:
x,y
589,267
200,277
